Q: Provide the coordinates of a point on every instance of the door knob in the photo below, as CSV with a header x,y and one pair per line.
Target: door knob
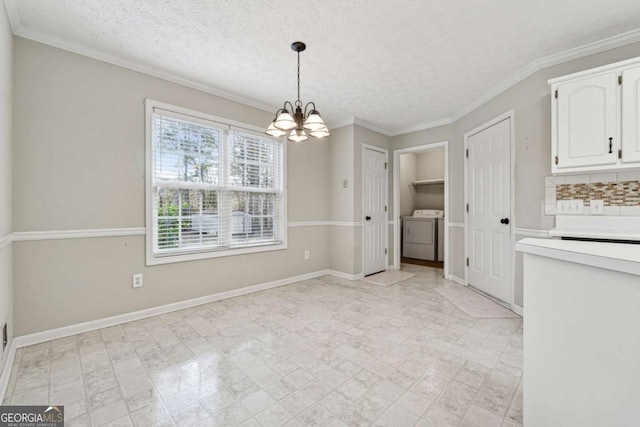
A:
x,y
368,218
504,221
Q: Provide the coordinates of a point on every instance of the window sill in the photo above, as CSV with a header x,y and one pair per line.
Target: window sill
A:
x,y
195,256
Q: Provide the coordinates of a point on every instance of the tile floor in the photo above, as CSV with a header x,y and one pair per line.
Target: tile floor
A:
x,y
321,352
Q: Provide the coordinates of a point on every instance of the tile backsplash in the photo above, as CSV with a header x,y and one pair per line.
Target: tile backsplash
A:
x,y
620,192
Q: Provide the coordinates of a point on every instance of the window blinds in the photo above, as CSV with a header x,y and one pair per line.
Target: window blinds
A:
x,y
215,186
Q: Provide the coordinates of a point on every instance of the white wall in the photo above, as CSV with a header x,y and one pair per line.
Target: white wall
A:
x,y
78,158
6,193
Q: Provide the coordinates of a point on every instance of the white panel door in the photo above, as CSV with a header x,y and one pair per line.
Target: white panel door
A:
x,y
489,210
631,115
587,121
375,216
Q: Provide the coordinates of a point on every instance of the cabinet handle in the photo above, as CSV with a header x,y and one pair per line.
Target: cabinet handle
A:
x,y
610,145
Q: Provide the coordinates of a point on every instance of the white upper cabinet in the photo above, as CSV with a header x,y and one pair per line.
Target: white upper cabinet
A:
x,y
588,121
596,119
631,115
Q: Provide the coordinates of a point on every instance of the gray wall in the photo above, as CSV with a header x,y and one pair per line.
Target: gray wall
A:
x,y
6,225
407,175
430,165
78,163
531,101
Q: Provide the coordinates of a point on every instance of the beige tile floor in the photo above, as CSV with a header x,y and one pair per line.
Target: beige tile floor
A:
x,y
325,351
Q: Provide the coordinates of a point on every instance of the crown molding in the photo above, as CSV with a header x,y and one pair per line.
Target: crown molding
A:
x,y
372,127
20,31
528,70
588,49
338,125
423,126
13,14
549,61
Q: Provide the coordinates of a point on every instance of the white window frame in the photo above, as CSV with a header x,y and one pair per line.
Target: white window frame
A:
x,y
198,254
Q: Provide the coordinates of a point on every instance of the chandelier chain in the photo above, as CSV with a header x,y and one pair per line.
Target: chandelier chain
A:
x,y
299,80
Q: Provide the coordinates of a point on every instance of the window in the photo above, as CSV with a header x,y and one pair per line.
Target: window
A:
x,y
213,188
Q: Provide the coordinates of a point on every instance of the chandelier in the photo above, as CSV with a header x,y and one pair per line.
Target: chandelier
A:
x,y
300,121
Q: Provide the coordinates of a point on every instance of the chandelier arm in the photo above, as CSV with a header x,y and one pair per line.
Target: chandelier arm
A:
x,y
290,105
307,106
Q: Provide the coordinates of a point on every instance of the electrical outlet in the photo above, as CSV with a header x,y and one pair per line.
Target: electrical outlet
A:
x,y
345,183
307,254
137,280
597,207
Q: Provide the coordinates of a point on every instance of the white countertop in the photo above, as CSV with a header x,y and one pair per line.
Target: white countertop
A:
x,y
623,257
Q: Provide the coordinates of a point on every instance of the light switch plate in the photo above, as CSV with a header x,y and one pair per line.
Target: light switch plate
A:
x,y
597,207
570,207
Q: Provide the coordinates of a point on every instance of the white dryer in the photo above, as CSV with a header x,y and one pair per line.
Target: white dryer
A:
x,y
420,234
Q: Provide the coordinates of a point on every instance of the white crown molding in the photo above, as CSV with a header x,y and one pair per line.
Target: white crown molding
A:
x,y
528,70
423,126
531,232
338,125
20,31
14,15
20,236
372,127
534,66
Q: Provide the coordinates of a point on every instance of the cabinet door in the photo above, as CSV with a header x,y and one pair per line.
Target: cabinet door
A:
x,y
631,115
588,122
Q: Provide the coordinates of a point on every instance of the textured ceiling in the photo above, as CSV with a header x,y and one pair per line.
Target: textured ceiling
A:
x,y
397,64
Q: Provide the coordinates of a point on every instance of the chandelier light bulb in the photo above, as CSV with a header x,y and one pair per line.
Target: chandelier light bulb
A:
x,y
274,131
320,133
314,121
285,121
298,135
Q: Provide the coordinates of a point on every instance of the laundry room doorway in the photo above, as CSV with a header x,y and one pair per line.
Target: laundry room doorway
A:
x,y
421,206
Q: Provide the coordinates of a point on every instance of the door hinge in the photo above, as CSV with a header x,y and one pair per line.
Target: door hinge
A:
x,y
385,165
467,262
467,153
620,154
620,79
467,207
385,208
556,93
556,160
385,251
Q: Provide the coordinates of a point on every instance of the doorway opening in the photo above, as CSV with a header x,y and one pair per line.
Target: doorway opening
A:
x,y
421,206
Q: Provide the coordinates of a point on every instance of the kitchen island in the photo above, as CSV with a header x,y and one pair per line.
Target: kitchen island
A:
x,y
581,333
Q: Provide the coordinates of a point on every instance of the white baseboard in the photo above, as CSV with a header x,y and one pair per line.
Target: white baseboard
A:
x,y
347,276
517,309
65,331
457,279
52,334
6,368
